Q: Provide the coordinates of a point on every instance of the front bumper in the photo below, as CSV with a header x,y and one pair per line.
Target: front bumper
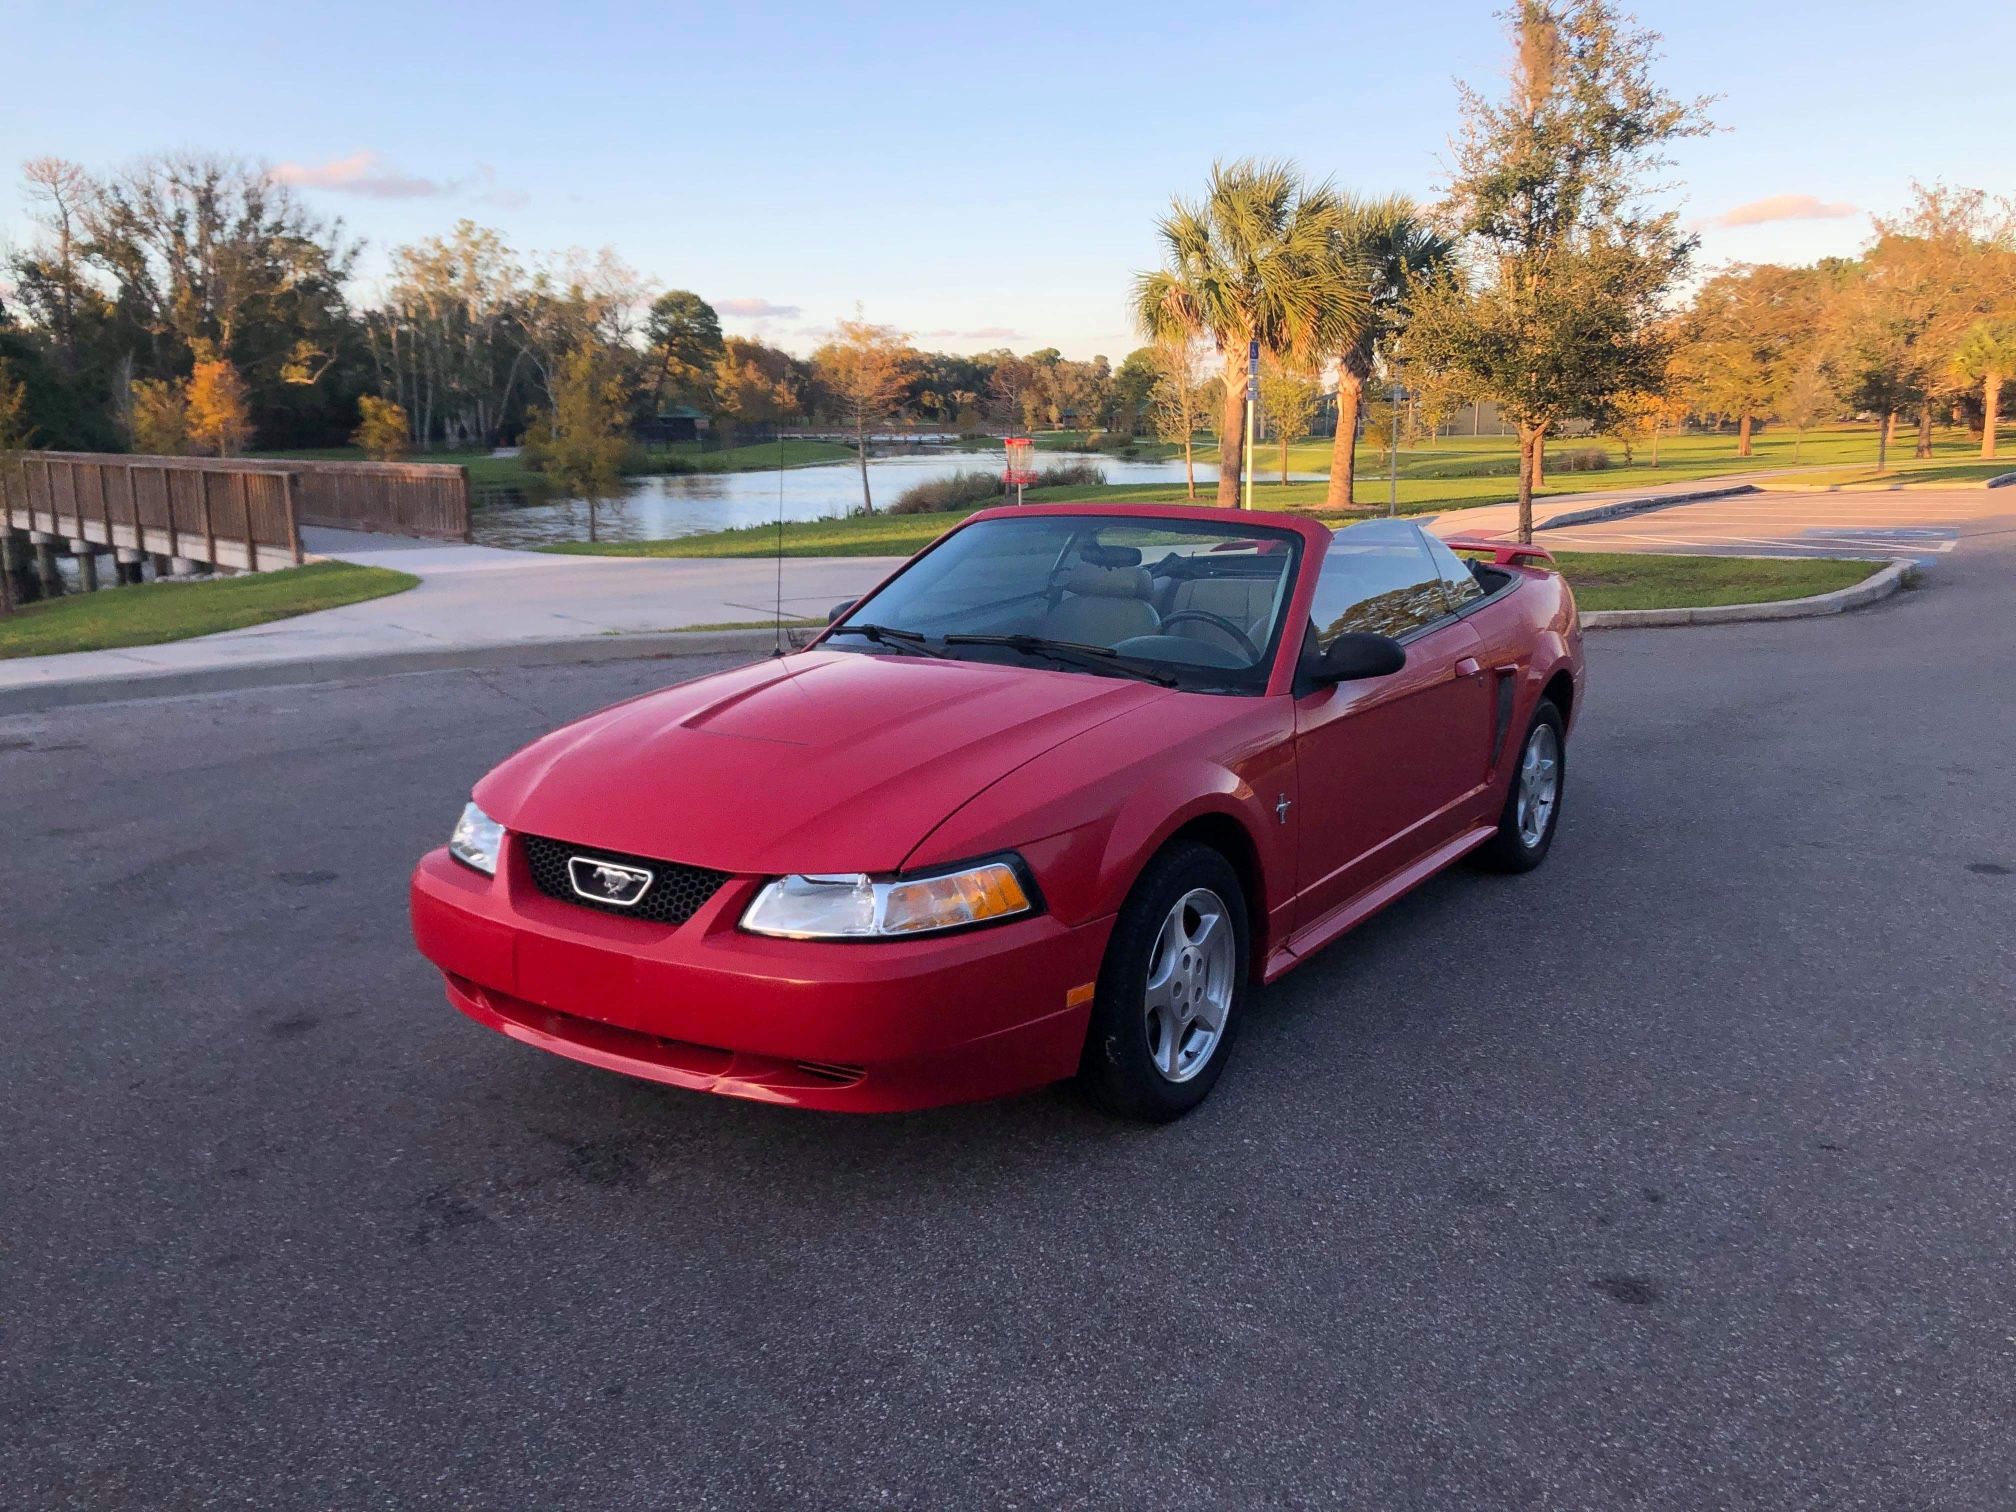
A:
x,y
872,1026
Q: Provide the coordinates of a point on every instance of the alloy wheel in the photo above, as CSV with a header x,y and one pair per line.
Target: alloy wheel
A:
x,y
1539,784
1189,989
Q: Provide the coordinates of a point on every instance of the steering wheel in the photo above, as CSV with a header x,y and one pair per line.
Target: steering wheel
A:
x,y
1216,622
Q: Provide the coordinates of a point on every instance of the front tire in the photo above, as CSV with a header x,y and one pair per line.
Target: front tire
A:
x,y
1171,989
1533,806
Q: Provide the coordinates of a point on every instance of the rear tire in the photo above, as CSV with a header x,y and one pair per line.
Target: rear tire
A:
x,y
1533,803
1171,990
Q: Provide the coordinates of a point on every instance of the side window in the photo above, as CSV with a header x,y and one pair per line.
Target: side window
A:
x,y
1377,578
1457,579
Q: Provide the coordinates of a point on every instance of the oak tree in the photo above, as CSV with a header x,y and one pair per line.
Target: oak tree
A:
x,y
1556,309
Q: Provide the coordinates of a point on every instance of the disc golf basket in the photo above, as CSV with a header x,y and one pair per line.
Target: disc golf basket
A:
x,y
1021,469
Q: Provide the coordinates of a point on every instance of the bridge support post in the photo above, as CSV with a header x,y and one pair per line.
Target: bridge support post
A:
x,y
87,564
13,567
45,566
182,566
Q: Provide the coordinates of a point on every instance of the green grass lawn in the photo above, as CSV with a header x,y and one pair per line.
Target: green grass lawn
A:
x,y
485,471
1938,472
1455,472
150,613
1639,580
789,624
758,455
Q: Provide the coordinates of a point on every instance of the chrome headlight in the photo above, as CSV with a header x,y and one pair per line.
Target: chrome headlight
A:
x,y
477,840
856,906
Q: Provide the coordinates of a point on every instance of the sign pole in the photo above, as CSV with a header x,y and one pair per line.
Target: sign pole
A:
x,y
1393,455
1252,409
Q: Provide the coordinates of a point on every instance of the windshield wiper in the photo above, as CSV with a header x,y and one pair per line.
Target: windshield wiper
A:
x,y
896,640
1077,652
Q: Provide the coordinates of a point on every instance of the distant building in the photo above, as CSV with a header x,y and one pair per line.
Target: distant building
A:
x,y
675,422
1480,419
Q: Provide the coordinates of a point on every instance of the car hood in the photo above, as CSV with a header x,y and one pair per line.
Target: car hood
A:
x,y
824,761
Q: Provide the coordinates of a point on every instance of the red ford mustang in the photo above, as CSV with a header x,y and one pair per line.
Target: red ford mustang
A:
x,y
1051,801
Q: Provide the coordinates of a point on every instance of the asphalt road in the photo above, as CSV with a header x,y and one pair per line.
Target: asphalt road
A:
x,y
1682,1172
1922,524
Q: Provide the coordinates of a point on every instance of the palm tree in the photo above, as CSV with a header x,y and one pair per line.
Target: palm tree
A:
x,y
1383,245
1988,356
1253,261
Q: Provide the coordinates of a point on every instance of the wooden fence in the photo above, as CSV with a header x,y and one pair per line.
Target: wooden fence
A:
x,y
246,499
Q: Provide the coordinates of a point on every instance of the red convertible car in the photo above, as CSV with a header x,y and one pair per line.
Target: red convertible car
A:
x,y
1052,801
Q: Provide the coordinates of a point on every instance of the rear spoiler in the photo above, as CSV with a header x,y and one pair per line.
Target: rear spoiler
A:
x,y
1503,553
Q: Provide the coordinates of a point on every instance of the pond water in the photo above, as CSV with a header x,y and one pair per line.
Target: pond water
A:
x,y
652,509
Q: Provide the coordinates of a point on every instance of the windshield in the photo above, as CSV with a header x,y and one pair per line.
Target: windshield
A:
x,y
1187,602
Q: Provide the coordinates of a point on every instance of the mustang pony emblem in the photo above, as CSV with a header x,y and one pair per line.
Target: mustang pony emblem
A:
x,y
606,882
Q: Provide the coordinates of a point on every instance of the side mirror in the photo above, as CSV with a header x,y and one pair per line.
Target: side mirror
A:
x,y
1354,657
839,611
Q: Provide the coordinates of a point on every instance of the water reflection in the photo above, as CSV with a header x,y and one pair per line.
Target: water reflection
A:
x,y
649,509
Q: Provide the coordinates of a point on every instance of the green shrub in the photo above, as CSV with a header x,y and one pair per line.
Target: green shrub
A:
x,y
960,490
1579,459
971,487
1071,475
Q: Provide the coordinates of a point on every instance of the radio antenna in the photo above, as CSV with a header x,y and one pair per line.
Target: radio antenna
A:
x,y
780,545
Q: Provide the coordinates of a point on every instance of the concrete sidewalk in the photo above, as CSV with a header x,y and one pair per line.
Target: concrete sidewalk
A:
x,y
472,598
1559,510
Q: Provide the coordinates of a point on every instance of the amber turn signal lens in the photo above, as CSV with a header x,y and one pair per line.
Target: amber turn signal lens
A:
x,y
969,897
854,906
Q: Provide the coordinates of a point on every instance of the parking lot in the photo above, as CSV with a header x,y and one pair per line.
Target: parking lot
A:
x,y
1921,524
1681,1172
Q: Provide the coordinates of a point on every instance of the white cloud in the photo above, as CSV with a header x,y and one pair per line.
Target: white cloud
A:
x,y
1779,207
755,309
359,173
364,172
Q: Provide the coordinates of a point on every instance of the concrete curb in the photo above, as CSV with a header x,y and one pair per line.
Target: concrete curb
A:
x,y
36,698
1877,586
1625,507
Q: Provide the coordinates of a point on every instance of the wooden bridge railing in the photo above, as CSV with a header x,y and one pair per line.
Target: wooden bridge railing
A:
x,y
205,509
247,506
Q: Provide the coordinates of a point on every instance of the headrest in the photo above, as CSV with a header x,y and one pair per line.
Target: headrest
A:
x,y
1109,582
1111,556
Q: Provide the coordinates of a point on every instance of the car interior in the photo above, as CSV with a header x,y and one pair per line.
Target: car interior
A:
x,y
1210,605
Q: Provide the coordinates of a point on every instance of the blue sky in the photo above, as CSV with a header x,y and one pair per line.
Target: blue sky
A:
x,y
975,177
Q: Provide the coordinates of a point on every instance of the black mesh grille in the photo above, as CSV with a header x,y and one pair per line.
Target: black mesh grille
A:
x,y
676,892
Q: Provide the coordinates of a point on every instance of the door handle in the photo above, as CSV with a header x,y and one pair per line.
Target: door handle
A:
x,y
1467,667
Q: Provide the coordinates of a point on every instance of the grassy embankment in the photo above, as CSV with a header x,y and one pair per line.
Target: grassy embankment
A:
x,y
1640,580
149,613
1939,472
1452,473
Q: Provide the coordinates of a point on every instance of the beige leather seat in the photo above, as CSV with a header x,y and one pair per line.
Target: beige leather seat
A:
x,y
1243,601
1103,605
